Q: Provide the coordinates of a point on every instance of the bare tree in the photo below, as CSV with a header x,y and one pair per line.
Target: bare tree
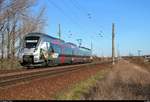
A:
x,y
31,24
16,20
1,35
34,23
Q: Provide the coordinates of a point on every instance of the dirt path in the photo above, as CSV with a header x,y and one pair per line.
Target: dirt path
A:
x,y
125,81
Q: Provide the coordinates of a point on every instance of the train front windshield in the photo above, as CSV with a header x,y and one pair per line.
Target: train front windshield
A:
x,y
31,42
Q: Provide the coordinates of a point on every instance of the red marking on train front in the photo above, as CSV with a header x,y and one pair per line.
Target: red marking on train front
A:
x,y
62,59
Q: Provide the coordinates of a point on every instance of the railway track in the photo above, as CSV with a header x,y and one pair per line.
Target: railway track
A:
x,y
16,77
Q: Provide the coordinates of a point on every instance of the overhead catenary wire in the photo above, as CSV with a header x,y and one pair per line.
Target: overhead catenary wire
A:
x,y
90,18
64,14
73,14
78,6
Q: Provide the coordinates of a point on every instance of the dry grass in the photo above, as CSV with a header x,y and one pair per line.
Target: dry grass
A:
x,y
123,82
141,62
76,91
9,64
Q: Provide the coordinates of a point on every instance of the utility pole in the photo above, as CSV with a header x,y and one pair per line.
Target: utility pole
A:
x,y
91,48
113,43
80,42
59,32
91,57
139,52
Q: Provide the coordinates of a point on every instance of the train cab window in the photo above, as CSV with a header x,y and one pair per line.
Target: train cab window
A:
x,y
31,41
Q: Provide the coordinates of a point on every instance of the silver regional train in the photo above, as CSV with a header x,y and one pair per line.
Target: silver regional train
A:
x,y
40,49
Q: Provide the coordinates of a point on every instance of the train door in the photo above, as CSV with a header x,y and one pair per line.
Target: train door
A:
x,y
73,55
54,52
44,52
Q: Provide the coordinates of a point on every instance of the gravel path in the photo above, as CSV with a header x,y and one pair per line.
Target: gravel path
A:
x,y
45,88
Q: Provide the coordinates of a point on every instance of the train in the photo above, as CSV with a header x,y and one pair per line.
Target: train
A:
x,y
39,49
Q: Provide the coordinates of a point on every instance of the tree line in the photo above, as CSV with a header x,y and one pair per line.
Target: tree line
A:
x,y
16,20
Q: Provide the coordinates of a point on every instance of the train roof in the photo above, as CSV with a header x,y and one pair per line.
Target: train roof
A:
x,y
71,44
84,48
42,34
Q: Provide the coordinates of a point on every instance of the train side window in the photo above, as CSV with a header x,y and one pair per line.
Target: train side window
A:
x,y
47,45
51,49
72,51
56,48
68,51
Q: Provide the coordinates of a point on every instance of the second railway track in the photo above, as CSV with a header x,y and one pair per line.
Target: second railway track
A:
x,y
13,78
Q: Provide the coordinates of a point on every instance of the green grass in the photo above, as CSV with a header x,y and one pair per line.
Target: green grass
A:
x,y
75,92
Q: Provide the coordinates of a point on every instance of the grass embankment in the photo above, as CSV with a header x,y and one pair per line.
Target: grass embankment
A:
x,y
9,64
126,81
79,90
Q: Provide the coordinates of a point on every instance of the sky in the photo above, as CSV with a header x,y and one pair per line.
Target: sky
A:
x,y
91,21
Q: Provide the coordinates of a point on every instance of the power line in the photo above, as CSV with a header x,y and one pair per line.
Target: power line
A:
x,y
81,8
78,6
73,14
63,12
59,31
70,18
113,43
79,41
56,6
89,15
69,7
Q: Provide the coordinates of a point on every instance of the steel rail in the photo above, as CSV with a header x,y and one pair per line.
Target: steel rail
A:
x,y
13,78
